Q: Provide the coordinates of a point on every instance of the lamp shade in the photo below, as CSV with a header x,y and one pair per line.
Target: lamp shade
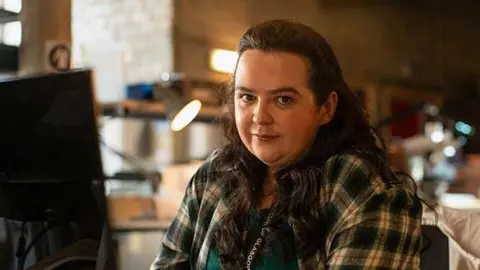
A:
x,y
180,118
180,111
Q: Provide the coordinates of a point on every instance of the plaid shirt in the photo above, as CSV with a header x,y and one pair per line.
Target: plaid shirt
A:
x,y
369,225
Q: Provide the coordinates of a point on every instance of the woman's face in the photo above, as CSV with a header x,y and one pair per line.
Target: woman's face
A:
x,y
276,113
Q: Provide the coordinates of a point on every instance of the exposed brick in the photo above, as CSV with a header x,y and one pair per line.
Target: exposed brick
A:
x,y
141,28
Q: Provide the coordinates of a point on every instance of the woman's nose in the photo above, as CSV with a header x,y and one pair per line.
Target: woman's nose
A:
x,y
262,115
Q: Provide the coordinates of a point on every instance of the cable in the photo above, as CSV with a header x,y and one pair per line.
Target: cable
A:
x,y
21,245
132,160
50,225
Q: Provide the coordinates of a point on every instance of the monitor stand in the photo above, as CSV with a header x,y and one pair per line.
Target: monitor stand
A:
x,y
76,223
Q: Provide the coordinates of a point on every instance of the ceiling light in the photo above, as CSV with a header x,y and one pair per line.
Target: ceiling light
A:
x,y
223,60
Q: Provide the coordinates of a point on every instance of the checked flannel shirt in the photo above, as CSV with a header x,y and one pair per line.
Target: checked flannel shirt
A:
x,y
369,225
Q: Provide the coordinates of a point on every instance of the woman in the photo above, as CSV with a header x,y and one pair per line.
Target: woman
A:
x,y
303,182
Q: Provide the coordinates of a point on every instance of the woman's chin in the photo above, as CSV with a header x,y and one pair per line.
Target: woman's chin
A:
x,y
270,159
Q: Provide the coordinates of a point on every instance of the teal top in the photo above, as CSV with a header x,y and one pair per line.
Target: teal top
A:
x,y
272,259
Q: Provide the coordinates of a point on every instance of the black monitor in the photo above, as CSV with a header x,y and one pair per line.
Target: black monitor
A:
x,y
50,161
48,130
49,148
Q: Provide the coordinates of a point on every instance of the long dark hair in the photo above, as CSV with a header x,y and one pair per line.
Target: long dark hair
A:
x,y
298,186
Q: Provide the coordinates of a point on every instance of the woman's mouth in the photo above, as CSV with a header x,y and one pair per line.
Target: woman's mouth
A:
x,y
264,137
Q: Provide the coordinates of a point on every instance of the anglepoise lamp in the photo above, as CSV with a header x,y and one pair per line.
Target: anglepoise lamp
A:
x,y
180,111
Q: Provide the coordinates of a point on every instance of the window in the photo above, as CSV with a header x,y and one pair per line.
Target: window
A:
x,y
11,33
11,5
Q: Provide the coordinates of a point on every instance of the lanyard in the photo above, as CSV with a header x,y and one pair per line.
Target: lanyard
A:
x,y
257,245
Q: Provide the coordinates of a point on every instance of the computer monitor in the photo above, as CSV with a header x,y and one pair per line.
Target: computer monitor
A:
x,y
50,161
49,148
49,130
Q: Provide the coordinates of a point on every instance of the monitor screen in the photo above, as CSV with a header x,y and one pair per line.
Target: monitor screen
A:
x,y
48,130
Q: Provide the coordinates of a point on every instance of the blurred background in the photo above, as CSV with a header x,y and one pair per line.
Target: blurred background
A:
x,y
415,64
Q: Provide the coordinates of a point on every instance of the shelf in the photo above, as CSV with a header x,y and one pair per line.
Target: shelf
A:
x,y
152,110
8,16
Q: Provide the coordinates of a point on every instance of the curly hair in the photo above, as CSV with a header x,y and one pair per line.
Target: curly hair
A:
x,y
299,186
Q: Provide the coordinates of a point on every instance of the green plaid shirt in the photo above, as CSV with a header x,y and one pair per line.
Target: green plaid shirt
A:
x,y
370,225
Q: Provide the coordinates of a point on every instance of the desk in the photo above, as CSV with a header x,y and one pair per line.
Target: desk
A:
x,y
140,225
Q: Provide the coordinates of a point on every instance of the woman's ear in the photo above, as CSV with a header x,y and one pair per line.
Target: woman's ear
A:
x,y
329,108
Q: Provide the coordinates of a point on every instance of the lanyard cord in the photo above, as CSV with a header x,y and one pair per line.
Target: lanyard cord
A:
x,y
259,242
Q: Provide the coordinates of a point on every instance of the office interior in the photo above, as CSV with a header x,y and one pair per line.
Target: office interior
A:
x,y
415,65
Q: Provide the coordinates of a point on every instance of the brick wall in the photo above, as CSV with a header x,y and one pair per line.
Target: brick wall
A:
x,y
141,30
125,42
130,41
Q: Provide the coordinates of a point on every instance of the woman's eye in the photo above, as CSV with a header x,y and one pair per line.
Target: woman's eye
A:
x,y
247,98
284,100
